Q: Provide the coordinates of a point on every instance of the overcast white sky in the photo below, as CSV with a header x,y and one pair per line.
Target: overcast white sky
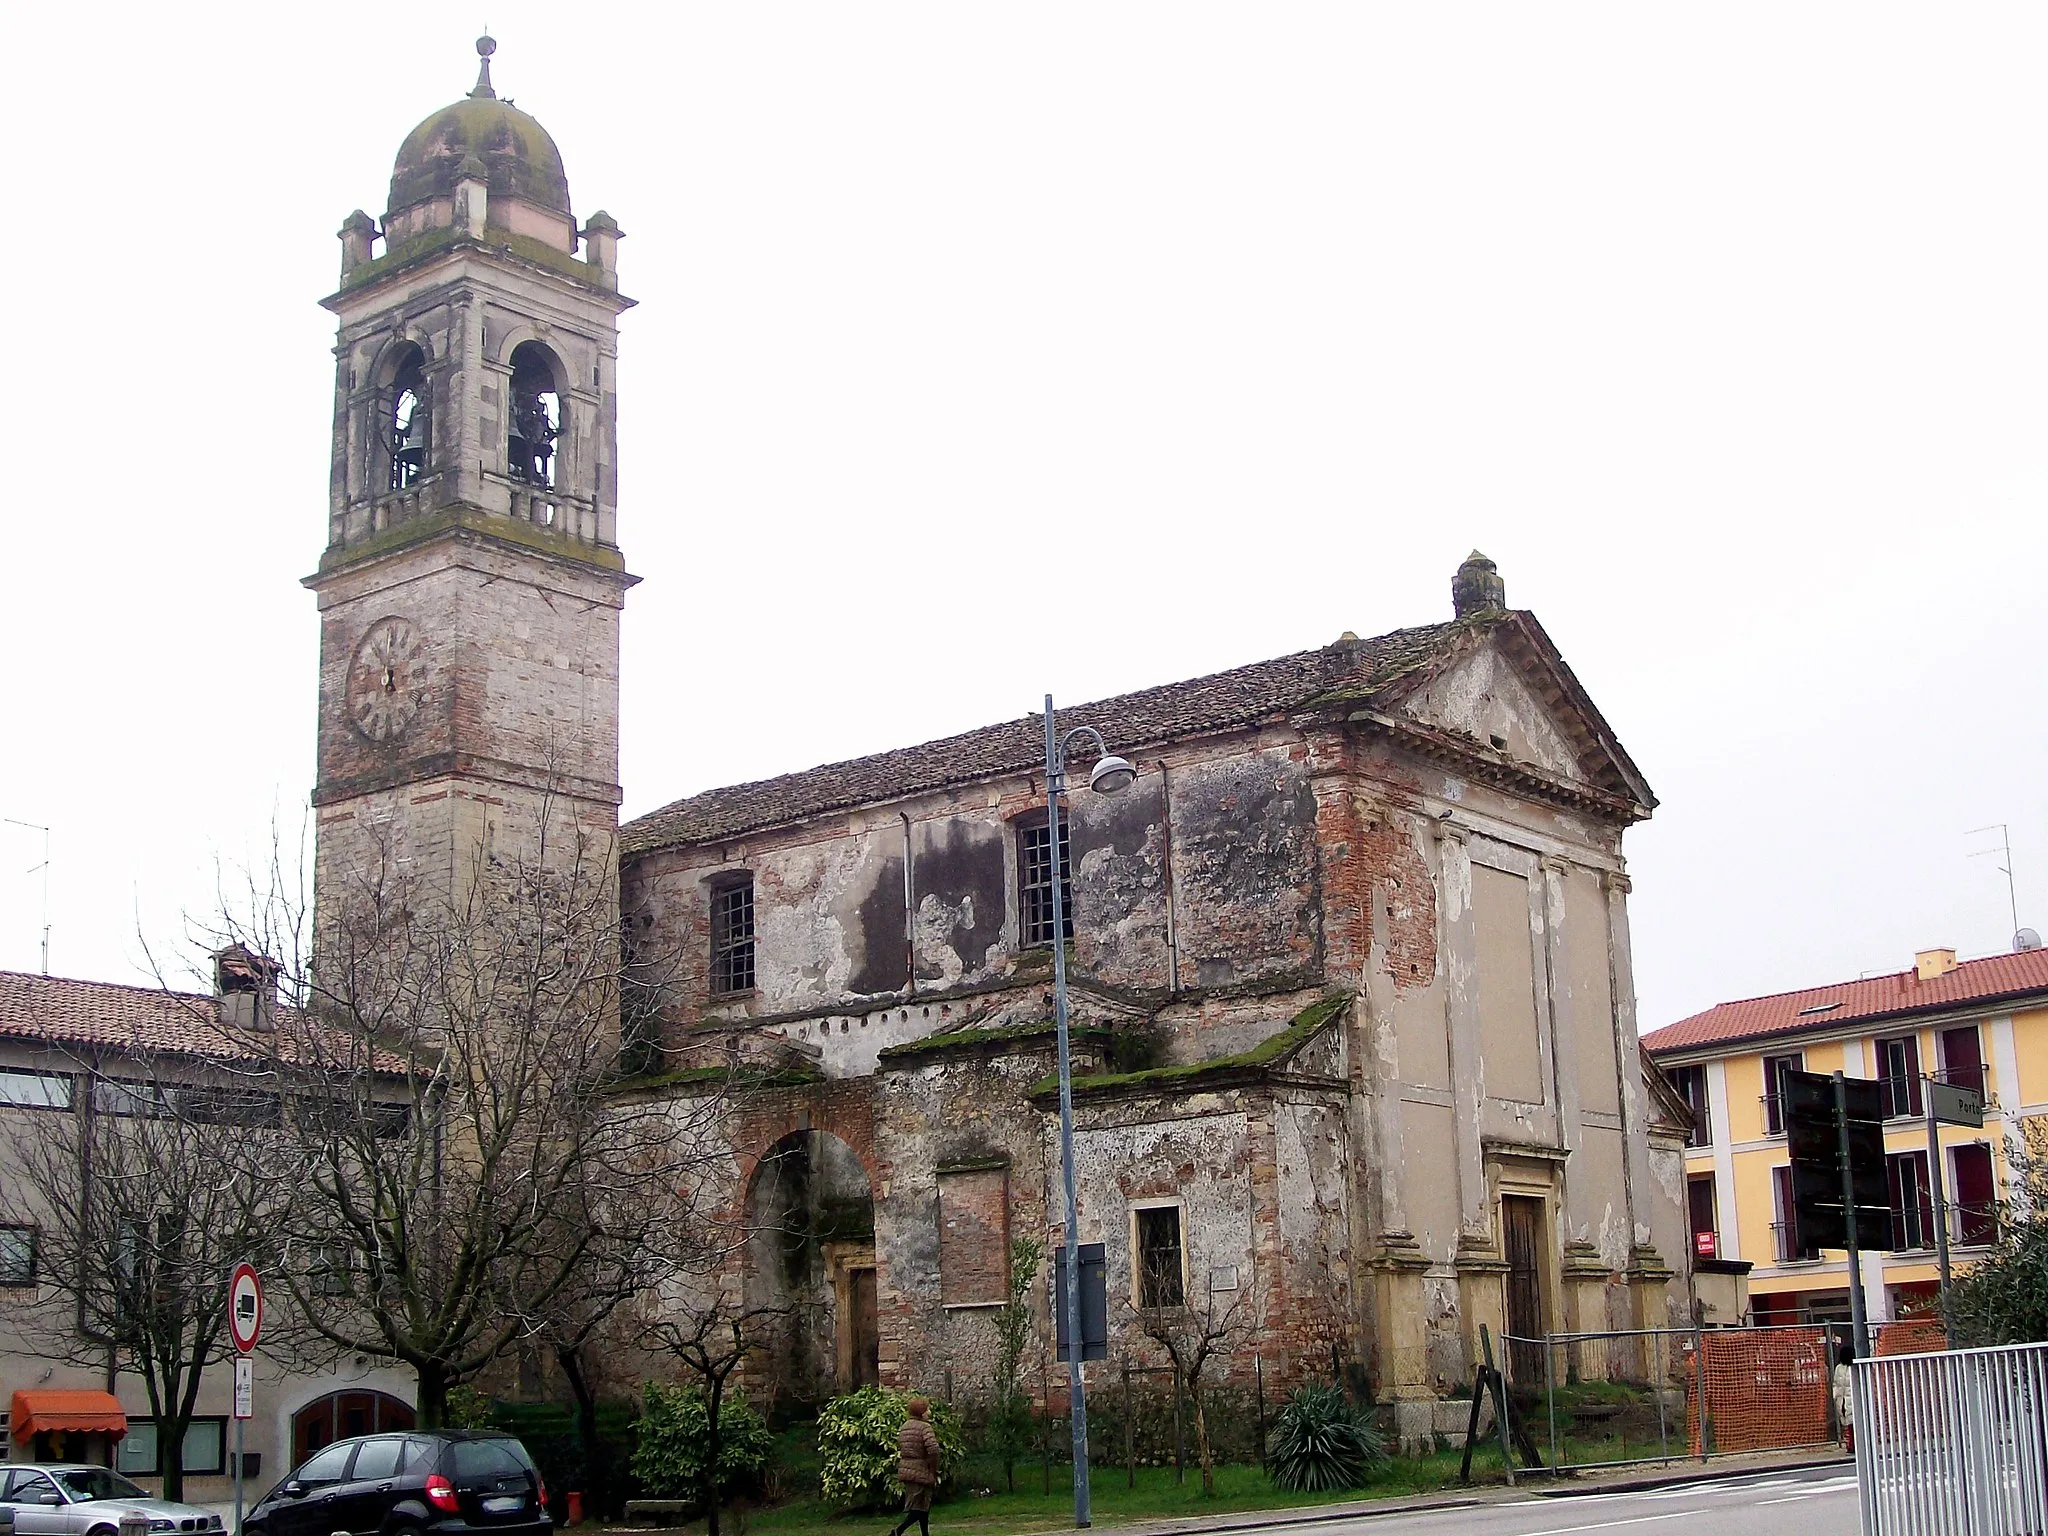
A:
x,y
985,350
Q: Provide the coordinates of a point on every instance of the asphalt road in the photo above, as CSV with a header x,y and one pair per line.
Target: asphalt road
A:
x,y
1817,1502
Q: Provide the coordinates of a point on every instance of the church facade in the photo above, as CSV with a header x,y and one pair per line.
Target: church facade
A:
x,y
1350,960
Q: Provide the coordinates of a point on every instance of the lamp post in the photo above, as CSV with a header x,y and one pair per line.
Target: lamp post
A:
x,y
1111,775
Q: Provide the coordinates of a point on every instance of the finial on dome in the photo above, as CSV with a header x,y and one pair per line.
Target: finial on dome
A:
x,y
485,47
1477,588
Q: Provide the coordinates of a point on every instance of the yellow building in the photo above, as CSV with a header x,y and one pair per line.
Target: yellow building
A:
x,y
1980,1023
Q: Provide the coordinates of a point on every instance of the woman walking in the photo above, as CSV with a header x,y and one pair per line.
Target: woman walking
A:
x,y
917,1468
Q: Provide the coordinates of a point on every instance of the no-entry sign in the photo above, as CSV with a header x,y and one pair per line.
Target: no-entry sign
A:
x,y
245,1307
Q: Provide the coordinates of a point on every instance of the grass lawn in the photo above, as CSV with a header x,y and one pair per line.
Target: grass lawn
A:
x,y
1158,1495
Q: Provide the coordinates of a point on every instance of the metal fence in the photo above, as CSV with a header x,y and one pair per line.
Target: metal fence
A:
x,y
1955,1443
1658,1394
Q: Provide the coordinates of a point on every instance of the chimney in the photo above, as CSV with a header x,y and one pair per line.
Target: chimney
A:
x,y
1932,963
246,987
1477,589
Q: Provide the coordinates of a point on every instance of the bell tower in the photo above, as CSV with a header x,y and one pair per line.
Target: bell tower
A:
x,y
471,586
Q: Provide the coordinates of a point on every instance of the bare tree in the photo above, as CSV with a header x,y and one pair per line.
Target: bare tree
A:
x,y
470,1175
164,1172
1193,1332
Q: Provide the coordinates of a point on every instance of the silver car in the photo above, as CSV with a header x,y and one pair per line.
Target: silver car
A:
x,y
71,1499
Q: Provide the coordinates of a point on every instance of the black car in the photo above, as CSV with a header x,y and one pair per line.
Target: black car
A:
x,y
421,1483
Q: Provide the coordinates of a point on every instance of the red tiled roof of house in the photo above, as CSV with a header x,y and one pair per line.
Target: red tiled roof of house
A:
x,y
1900,994
107,1016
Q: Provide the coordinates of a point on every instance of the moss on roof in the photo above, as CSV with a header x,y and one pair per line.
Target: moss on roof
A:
x,y
742,1079
1218,1072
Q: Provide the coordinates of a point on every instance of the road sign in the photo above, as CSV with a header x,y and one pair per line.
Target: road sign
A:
x,y
245,1307
1952,1105
1814,1140
245,1387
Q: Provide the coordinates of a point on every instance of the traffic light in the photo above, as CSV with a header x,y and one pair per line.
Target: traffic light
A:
x,y
1814,1140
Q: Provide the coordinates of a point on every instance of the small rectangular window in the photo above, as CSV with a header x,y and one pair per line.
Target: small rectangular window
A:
x,y
1775,1068
732,938
1911,1199
1962,1058
1159,1257
1975,1211
35,1090
1034,883
17,1256
1699,1195
1898,1070
139,1452
1691,1083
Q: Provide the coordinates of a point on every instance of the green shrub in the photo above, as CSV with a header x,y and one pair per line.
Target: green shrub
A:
x,y
675,1439
857,1443
1321,1442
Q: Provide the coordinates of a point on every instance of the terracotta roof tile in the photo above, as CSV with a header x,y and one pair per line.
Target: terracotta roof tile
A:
x,y
1221,701
104,1015
1898,995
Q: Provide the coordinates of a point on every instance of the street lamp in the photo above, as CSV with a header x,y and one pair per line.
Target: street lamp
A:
x,y
1111,775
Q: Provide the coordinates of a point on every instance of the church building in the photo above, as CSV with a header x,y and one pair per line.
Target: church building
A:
x,y
1353,1010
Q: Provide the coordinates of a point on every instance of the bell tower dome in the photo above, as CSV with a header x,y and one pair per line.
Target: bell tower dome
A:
x,y
471,585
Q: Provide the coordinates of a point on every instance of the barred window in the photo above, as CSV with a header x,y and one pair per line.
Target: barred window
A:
x,y
1160,1264
732,938
17,1256
1034,882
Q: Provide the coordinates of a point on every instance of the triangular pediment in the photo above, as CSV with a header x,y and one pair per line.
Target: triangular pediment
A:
x,y
1507,692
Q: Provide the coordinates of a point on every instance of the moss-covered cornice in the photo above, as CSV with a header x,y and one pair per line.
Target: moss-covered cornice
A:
x,y
501,243
1253,1065
464,519
732,1079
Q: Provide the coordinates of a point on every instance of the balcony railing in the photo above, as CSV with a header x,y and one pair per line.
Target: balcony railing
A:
x,y
1784,1239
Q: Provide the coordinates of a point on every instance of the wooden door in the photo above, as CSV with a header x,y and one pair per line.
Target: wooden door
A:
x,y
866,1334
1521,1220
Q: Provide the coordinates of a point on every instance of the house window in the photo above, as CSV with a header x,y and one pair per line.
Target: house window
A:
x,y
1775,1068
974,1237
34,1090
1962,1058
1691,1083
1699,1199
732,938
1034,882
1912,1201
139,1453
1786,1228
1976,1202
1159,1276
1898,1071
17,1256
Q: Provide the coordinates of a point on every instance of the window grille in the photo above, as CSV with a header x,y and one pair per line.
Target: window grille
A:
x,y
1034,882
732,938
1159,1257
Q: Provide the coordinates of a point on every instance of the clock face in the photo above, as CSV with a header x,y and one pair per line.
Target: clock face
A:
x,y
387,679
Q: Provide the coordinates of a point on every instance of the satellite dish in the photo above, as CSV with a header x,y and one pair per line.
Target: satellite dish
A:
x,y
2025,940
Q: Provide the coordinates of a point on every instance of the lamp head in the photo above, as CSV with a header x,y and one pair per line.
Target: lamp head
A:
x,y
1111,775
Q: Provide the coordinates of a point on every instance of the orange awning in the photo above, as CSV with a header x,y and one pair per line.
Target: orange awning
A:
x,y
39,1408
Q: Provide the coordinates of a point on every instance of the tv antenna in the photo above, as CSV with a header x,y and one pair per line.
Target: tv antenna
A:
x,y
42,869
2005,848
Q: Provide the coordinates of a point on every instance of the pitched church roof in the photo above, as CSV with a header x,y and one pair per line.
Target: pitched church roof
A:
x,y
1350,669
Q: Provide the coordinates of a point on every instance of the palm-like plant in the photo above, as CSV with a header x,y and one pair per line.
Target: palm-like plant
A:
x,y
1321,1442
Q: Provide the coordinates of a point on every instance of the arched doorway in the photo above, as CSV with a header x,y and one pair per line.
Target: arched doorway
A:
x,y
812,1252
344,1415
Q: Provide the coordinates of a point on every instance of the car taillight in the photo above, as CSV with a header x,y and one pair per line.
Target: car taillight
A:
x,y
441,1494
540,1489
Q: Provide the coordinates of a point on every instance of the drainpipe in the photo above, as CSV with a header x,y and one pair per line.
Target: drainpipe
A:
x,y
1166,874
909,914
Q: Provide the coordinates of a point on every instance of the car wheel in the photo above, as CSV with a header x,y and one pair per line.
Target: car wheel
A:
x,y
103,1530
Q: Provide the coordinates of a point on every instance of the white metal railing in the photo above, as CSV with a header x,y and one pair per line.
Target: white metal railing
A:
x,y
1955,1443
